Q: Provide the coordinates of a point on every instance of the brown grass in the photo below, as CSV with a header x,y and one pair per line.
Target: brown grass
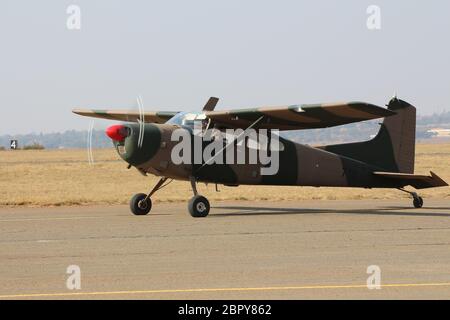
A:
x,y
64,177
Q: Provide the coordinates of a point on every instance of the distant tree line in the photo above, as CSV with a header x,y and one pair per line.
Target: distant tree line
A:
x,y
67,139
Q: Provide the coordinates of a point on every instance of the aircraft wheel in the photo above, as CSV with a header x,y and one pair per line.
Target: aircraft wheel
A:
x,y
418,202
198,206
138,206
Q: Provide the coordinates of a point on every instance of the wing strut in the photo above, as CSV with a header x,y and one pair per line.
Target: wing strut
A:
x,y
232,142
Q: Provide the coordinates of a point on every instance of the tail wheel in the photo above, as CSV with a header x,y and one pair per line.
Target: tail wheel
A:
x,y
418,202
139,205
198,206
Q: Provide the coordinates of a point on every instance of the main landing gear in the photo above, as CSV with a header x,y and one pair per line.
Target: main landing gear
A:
x,y
417,200
198,205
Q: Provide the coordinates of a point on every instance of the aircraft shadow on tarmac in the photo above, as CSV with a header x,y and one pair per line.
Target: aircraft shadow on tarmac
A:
x,y
261,211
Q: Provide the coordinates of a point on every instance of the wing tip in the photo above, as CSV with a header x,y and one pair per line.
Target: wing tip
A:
x,y
77,111
373,108
82,112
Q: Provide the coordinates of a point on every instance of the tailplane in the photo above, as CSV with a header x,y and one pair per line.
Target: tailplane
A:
x,y
415,180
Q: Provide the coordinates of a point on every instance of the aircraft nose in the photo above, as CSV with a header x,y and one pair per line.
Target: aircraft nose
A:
x,y
136,143
118,132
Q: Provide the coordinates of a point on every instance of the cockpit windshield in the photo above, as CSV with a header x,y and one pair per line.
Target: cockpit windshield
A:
x,y
187,118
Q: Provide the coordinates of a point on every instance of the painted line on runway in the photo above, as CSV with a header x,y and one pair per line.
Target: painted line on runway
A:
x,y
200,290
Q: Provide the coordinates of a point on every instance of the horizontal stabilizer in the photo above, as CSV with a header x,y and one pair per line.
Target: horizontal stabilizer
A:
x,y
414,180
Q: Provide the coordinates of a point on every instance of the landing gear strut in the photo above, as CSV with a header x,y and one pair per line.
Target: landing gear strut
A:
x,y
141,203
417,200
198,205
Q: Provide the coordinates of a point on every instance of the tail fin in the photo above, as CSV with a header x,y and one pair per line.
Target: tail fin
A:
x,y
393,147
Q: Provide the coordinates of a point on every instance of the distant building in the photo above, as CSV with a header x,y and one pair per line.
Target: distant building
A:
x,y
440,133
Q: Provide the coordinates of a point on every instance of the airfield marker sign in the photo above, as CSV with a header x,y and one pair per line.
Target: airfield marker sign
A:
x,y
13,144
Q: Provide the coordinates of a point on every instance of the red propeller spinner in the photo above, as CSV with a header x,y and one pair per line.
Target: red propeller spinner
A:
x,y
117,132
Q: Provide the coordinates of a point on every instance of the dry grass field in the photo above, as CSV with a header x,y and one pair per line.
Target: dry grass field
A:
x,y
65,177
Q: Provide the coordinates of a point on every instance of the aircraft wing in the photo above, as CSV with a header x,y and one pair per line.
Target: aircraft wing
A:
x,y
295,117
127,115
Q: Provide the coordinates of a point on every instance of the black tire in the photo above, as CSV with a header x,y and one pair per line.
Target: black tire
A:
x,y
138,206
418,202
198,207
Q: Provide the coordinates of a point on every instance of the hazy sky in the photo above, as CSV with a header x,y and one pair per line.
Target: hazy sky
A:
x,y
249,53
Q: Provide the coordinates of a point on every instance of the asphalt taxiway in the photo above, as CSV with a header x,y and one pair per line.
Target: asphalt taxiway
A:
x,y
265,250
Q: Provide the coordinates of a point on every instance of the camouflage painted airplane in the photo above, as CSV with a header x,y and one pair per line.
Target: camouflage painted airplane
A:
x,y
386,161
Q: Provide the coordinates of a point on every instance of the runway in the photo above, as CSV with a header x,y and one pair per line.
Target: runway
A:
x,y
242,250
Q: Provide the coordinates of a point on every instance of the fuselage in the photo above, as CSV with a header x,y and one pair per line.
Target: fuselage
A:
x,y
299,164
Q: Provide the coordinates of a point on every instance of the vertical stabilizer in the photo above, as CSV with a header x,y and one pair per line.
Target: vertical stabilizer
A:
x,y
393,148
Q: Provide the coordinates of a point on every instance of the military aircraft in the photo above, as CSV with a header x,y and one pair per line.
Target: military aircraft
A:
x,y
143,140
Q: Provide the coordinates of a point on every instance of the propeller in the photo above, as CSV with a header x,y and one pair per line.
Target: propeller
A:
x,y
120,132
141,121
89,142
